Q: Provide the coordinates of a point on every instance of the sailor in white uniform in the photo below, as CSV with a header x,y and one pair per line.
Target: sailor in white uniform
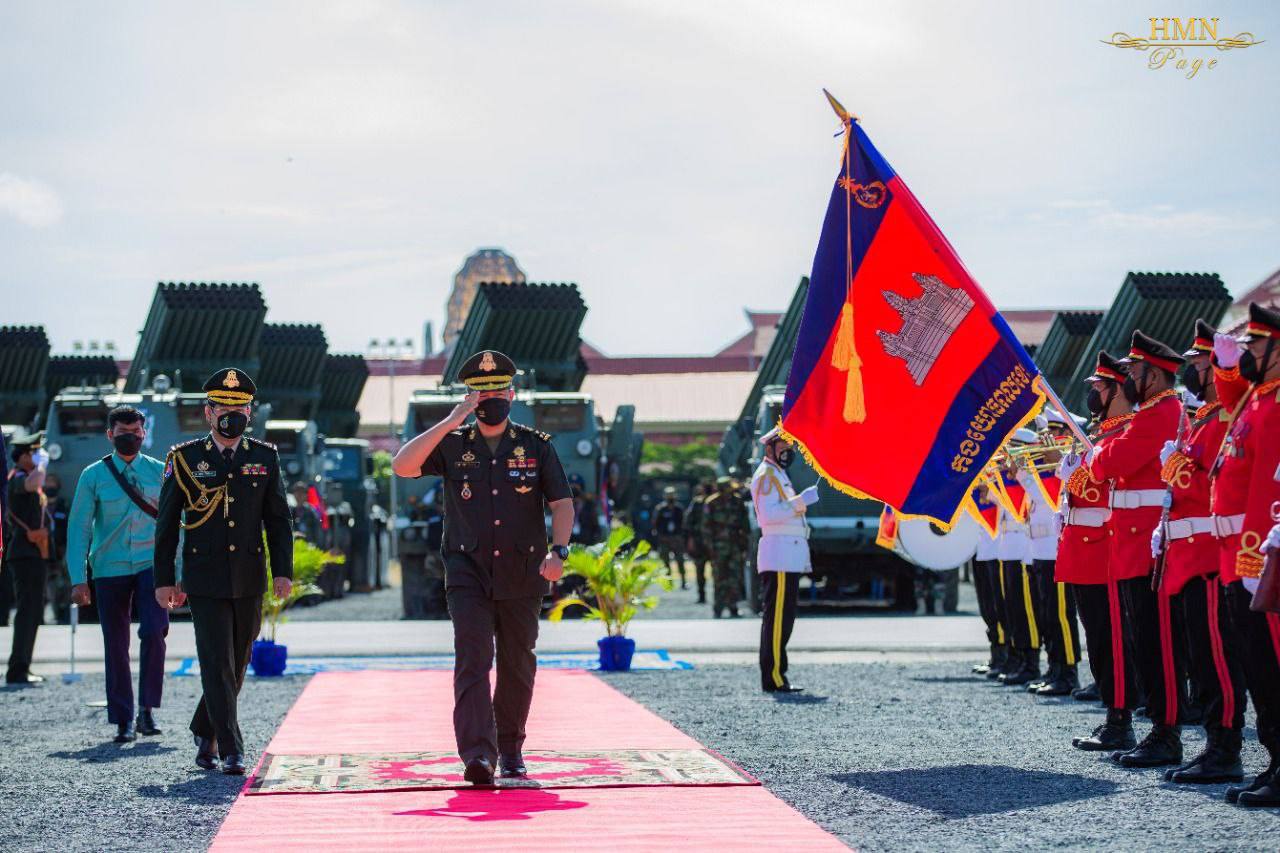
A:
x,y
782,555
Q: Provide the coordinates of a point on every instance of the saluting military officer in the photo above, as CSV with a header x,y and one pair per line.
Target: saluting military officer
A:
x,y
496,476
223,491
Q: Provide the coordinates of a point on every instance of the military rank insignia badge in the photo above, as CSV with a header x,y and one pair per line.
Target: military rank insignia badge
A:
x,y
466,491
524,490
253,470
202,470
168,467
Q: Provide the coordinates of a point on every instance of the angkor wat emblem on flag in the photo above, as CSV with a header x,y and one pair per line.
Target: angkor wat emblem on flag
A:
x,y
928,321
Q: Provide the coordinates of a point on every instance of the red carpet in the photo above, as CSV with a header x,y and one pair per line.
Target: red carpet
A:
x,y
369,712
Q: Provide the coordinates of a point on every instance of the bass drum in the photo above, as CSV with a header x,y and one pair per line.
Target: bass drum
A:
x,y
926,545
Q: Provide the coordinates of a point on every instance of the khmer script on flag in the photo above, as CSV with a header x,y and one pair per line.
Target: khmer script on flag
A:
x,y
905,379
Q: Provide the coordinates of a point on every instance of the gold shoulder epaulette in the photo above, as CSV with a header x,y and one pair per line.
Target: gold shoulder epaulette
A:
x,y
259,441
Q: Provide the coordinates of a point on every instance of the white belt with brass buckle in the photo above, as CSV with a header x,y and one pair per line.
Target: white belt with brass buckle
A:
x,y
1181,528
1088,516
1134,498
1227,525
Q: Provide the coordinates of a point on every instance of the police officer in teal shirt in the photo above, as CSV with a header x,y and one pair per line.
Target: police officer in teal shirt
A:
x,y
116,537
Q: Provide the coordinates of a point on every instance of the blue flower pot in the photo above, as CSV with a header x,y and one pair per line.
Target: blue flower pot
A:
x,y
268,659
616,653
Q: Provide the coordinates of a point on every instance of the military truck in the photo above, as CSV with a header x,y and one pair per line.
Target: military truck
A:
x,y
349,494
849,568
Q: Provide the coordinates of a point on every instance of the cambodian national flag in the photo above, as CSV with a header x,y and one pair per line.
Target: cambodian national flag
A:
x,y
905,379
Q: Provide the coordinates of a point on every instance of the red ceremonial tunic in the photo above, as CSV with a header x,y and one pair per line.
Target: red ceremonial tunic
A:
x,y
1187,472
1082,550
1132,462
1246,481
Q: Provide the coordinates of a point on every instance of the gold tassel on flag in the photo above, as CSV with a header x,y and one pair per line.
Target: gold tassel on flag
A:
x,y
845,357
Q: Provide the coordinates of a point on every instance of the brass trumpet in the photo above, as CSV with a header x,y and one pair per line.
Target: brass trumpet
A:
x,y
1033,456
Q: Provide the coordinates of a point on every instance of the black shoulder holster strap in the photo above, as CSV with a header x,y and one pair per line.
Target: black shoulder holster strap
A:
x,y
129,490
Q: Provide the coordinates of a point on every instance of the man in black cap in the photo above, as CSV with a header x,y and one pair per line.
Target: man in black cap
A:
x,y
27,543
223,491
496,476
1131,464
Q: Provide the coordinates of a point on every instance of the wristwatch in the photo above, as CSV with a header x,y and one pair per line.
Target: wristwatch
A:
x,y
561,551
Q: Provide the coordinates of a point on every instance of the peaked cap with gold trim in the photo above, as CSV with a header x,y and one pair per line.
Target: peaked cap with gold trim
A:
x,y
230,386
1263,322
488,370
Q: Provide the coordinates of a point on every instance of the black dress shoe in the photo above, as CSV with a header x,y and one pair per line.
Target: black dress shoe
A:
x,y
786,688
1219,762
1115,733
512,766
479,772
147,723
124,733
1162,746
1087,694
233,765
206,753
24,679
1064,685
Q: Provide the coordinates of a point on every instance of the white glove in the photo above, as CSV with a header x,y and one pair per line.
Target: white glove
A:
x,y
40,458
1170,448
1157,543
1226,351
1251,584
1272,540
1059,522
1068,466
1088,457
810,495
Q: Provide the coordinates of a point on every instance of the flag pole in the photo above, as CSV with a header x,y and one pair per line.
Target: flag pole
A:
x,y
1079,433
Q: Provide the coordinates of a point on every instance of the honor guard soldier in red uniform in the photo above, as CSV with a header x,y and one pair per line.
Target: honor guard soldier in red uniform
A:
x,y
497,476
1131,462
1083,558
223,491
1189,574
1245,492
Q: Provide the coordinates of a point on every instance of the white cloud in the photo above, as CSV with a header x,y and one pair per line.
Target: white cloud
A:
x,y
30,202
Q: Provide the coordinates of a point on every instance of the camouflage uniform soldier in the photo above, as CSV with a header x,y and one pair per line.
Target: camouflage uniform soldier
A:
x,y
725,530
668,529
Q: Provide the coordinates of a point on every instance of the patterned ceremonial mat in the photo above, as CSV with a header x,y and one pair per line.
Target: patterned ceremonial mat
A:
x,y
616,768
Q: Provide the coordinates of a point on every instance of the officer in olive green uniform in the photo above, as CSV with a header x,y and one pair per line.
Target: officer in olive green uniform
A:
x,y
222,491
496,475
726,530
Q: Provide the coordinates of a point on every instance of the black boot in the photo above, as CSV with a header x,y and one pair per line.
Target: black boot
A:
x,y
1009,662
147,723
1050,675
1115,733
1219,762
1087,694
1028,669
1263,790
992,662
1066,683
1162,746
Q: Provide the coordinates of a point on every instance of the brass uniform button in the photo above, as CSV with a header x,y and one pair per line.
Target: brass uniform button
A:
x,y
1086,539
497,521
232,547
1190,539
497,553
1133,530
231,523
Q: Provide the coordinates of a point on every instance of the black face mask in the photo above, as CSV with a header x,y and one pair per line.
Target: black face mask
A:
x,y
1132,392
786,457
232,424
493,410
1250,369
1097,405
127,443
1194,380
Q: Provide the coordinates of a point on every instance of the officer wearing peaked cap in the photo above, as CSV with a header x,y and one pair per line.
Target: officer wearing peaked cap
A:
x,y
1131,463
497,476
222,492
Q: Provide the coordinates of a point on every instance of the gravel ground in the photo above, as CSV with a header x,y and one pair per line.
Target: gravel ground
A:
x,y
64,785
893,756
888,756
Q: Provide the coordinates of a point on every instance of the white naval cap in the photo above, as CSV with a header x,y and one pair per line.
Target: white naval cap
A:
x,y
1026,436
771,435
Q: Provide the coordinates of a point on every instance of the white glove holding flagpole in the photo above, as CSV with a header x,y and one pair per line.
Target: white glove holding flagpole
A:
x,y
1226,351
1068,466
1272,540
1157,543
1170,448
810,495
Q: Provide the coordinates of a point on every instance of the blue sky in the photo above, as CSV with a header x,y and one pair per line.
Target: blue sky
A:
x,y
673,158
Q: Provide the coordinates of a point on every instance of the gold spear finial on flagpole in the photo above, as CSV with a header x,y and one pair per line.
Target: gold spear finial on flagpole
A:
x,y
844,114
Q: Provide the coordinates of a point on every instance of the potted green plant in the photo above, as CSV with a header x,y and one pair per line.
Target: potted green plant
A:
x,y
619,574
268,657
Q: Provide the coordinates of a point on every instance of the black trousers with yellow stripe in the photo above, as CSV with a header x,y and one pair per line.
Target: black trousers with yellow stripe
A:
x,y
986,583
780,592
1056,615
1020,609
